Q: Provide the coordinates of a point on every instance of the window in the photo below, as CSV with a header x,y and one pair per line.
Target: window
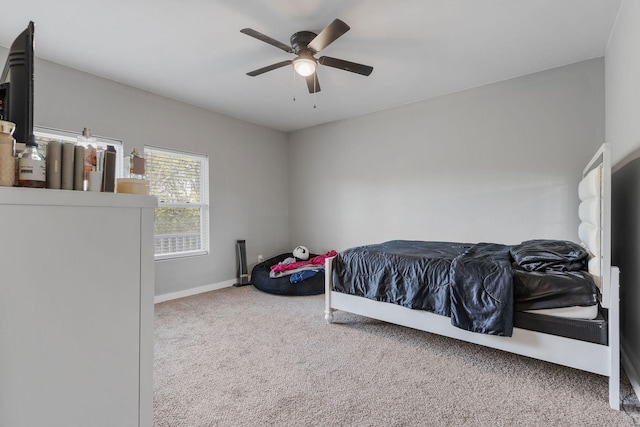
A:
x,y
180,181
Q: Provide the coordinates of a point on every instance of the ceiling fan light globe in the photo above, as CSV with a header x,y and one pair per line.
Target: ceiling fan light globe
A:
x,y
304,66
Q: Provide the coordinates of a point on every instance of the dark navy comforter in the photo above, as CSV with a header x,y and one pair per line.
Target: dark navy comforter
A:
x,y
471,283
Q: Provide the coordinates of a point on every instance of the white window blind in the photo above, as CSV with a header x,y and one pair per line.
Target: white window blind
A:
x,y
180,181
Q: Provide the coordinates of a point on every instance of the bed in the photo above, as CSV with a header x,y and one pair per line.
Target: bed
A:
x,y
467,291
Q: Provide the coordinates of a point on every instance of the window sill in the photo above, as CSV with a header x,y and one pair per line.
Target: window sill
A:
x,y
178,255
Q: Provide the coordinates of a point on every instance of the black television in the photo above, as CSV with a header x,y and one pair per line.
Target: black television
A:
x,y
16,86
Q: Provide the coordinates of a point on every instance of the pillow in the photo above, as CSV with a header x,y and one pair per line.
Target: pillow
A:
x,y
535,290
554,255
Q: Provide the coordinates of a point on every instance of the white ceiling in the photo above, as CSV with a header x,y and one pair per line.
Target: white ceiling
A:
x,y
193,51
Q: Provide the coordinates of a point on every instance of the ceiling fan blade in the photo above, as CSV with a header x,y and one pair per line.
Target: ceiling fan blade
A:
x,y
341,64
312,83
273,42
328,35
268,68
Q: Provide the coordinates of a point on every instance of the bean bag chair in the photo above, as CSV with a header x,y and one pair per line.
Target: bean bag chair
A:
x,y
282,285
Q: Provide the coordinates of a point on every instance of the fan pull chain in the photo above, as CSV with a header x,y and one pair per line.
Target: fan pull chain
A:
x,y
315,89
293,85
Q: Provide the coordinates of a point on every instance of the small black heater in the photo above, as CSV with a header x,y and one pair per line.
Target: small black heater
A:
x,y
241,263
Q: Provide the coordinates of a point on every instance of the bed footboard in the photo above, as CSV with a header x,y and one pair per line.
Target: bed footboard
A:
x,y
614,339
328,287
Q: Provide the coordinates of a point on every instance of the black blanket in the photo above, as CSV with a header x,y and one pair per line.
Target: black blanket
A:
x,y
482,290
471,283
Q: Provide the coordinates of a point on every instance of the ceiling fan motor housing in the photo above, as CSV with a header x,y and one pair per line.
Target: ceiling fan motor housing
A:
x,y
300,41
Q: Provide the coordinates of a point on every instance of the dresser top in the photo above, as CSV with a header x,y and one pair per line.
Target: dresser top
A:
x,y
48,197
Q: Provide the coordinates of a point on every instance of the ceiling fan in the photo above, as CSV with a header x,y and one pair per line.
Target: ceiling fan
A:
x,y
305,44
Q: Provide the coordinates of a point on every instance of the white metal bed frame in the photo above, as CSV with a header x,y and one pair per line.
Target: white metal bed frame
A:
x,y
586,356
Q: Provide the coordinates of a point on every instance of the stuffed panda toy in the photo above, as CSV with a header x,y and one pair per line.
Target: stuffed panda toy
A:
x,y
301,253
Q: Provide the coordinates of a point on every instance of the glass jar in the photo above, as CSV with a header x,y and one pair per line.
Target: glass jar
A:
x,y
136,165
7,147
31,168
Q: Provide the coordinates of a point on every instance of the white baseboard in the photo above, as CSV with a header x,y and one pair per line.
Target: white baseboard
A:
x,y
193,291
631,372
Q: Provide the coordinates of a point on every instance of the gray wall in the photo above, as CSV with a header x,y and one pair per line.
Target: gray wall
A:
x,y
496,163
248,163
623,132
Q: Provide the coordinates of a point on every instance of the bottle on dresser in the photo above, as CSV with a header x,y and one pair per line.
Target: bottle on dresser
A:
x,y
31,167
7,149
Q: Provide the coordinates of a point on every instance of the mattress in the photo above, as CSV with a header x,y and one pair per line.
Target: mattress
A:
x,y
575,312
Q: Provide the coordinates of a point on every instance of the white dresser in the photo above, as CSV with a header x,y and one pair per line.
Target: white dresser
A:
x,y
76,308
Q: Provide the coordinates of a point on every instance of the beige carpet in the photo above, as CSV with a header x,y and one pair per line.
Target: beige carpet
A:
x,y
240,357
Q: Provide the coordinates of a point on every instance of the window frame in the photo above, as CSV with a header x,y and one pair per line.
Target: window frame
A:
x,y
203,206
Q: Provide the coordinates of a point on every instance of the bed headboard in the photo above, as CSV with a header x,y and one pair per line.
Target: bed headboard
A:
x,y
595,218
